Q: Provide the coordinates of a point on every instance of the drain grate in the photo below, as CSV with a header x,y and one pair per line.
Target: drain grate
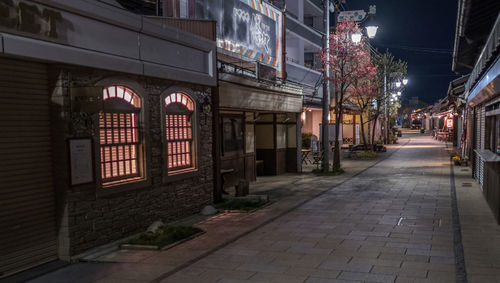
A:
x,y
466,184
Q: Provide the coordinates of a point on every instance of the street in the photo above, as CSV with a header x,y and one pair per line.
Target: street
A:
x,y
392,222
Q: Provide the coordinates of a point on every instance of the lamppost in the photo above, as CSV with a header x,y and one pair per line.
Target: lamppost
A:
x,y
398,83
325,123
371,30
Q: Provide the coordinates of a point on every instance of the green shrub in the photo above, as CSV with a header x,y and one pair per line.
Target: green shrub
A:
x,y
306,140
366,155
165,235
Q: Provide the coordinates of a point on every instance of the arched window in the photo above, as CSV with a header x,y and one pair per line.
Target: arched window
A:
x,y
120,143
179,131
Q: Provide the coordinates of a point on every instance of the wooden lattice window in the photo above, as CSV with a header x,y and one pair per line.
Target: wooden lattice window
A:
x,y
119,139
179,135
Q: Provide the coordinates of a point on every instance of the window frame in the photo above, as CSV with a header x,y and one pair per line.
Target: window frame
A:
x,y
170,175
104,189
135,127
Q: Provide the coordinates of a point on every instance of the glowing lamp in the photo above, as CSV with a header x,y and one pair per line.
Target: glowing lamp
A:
x,y
356,37
398,84
303,116
371,31
399,93
329,117
405,81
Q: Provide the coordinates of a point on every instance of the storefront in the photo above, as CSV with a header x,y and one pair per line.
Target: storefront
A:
x,y
259,128
98,139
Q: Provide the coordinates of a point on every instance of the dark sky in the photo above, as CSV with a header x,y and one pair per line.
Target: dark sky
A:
x,y
421,33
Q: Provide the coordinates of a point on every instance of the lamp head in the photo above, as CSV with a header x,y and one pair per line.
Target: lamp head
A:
x,y
371,31
398,84
405,81
356,37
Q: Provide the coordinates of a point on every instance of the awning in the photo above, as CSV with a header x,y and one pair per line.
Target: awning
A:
x,y
241,97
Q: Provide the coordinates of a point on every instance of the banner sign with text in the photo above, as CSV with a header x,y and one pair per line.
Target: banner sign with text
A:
x,y
252,29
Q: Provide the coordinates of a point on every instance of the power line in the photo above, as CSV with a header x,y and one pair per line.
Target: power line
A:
x,y
419,49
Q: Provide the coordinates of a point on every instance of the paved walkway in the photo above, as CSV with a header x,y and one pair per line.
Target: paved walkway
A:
x,y
392,222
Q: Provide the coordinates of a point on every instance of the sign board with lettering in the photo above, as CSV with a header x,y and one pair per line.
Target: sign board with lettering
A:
x,y
81,161
249,28
353,16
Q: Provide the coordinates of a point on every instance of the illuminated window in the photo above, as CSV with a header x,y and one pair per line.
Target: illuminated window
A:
x,y
120,143
179,133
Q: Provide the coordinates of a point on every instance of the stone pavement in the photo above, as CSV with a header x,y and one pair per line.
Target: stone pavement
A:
x,y
286,192
480,231
392,222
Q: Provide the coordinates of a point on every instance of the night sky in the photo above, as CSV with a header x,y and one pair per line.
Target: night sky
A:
x,y
421,33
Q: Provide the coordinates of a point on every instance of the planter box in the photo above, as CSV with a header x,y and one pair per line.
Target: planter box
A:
x,y
152,247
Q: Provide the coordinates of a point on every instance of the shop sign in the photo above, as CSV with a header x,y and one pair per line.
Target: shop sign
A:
x,y
353,16
449,123
251,28
29,18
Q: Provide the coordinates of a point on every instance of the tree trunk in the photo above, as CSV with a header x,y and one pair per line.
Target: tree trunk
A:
x,y
374,127
336,150
363,130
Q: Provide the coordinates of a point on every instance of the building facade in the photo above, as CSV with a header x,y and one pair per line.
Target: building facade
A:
x,y
476,52
105,127
257,110
304,39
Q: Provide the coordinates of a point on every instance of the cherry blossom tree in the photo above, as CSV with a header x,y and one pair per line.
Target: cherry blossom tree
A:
x,y
349,65
364,90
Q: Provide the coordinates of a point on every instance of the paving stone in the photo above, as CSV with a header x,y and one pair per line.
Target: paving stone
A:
x,y
261,268
346,266
405,272
313,272
370,277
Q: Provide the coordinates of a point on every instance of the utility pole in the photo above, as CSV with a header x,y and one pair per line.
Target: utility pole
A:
x,y
326,90
386,134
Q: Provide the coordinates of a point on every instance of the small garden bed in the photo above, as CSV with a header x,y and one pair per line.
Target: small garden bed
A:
x,y
241,204
165,237
366,155
319,172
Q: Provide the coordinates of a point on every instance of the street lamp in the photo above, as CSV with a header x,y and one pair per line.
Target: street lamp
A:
x,y
356,37
371,31
405,81
398,84
399,93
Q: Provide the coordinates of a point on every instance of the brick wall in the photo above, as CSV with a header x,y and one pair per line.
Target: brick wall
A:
x,y
92,218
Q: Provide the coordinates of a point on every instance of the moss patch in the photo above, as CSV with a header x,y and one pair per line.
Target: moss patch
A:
x,y
165,235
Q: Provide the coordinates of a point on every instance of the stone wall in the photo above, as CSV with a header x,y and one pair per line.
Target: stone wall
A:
x,y
94,217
